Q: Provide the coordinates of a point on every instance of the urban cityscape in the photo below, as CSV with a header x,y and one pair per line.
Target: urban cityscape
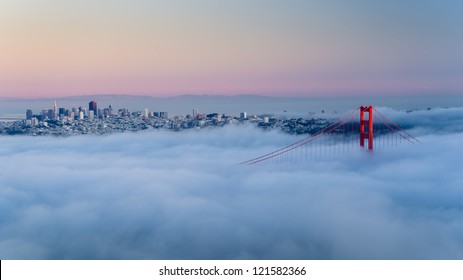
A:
x,y
264,137
59,121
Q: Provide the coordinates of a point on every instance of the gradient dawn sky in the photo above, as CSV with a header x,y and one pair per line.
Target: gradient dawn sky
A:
x,y
53,48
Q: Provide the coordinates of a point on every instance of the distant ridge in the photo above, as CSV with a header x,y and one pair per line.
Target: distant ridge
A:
x,y
230,104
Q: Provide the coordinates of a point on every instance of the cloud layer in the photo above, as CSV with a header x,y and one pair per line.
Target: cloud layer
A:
x,y
162,195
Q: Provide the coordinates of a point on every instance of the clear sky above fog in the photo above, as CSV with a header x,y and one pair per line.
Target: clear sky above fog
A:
x,y
52,48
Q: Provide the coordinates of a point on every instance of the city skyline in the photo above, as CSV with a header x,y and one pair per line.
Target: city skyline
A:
x,y
164,48
231,130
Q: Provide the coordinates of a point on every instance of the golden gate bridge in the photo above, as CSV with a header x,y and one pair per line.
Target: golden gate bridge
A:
x,y
372,130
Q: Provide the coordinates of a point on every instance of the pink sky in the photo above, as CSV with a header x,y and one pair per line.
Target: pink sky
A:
x,y
160,48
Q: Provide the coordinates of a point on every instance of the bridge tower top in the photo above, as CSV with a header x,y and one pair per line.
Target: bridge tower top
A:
x,y
366,127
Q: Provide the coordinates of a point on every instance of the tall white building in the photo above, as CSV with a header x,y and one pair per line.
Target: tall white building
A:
x,y
55,111
243,115
34,121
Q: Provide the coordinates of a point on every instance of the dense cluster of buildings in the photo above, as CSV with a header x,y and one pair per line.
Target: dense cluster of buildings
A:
x,y
81,113
95,120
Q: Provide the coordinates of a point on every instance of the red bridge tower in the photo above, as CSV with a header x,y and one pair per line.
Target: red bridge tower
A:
x,y
366,127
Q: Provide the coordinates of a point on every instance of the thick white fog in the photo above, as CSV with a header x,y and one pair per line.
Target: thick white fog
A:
x,y
166,195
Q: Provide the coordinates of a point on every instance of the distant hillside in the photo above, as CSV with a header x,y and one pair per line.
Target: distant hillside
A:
x,y
233,105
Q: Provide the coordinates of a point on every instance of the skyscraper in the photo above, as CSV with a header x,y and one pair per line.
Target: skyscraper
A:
x,y
55,111
29,114
50,114
92,107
